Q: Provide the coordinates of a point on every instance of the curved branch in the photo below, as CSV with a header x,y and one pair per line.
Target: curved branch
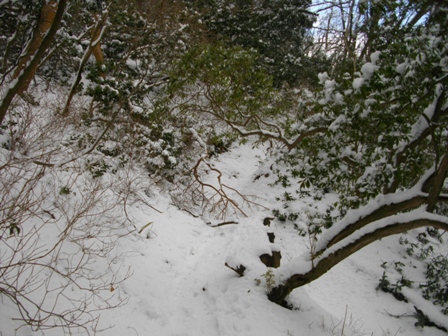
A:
x,y
309,133
212,197
276,134
242,131
432,183
381,212
278,294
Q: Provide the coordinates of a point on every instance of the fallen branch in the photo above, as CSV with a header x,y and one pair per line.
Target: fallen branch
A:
x,y
222,224
239,270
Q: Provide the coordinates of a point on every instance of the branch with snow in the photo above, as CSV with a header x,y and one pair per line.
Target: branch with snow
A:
x,y
303,270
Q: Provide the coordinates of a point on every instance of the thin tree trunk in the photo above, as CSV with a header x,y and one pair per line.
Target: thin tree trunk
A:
x,y
95,48
96,42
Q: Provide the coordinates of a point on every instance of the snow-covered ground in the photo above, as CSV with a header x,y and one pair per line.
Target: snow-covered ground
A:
x,y
181,287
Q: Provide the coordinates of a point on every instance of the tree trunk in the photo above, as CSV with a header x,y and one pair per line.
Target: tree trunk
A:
x,y
96,42
44,23
380,213
43,36
95,48
279,293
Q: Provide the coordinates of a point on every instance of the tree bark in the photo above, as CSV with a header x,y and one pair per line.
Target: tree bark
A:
x,y
382,212
46,28
96,42
279,293
95,48
438,183
44,23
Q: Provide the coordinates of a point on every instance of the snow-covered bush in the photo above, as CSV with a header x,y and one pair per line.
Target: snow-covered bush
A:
x,y
57,225
436,286
70,148
217,94
377,139
423,257
277,30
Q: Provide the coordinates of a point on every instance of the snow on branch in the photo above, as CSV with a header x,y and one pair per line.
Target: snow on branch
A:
x,y
303,270
385,205
422,128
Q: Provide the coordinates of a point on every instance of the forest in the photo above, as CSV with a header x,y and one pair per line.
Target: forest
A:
x,y
250,146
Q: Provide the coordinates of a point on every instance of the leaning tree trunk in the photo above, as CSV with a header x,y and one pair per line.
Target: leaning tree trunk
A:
x,y
95,48
43,36
279,293
44,23
385,220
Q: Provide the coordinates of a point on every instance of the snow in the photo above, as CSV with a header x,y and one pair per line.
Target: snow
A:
x,y
330,84
375,56
367,71
322,77
427,307
401,67
422,123
358,82
339,120
181,287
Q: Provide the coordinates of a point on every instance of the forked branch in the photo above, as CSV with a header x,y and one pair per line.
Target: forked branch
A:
x,y
215,197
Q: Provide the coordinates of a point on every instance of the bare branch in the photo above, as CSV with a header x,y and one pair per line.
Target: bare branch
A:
x,y
214,198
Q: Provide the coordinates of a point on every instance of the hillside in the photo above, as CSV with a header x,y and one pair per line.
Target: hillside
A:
x,y
180,285
189,167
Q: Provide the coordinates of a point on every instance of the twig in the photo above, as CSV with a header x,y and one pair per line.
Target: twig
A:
x,y
345,318
222,224
399,316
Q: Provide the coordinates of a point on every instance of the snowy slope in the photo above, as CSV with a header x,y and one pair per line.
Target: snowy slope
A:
x,y
181,287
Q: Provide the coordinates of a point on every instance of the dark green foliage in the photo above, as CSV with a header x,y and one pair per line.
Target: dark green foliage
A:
x,y
370,117
218,144
383,283
98,168
138,44
394,288
277,30
436,286
65,190
17,19
218,91
14,229
384,128
420,248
